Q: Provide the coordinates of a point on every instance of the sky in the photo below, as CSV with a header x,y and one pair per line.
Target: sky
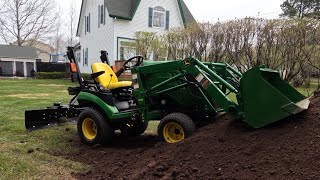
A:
x,y
214,10
211,10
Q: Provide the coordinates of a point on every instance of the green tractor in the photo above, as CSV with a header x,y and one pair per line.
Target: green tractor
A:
x,y
181,94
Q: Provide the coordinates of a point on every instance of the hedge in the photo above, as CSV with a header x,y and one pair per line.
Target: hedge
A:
x,y
59,75
51,75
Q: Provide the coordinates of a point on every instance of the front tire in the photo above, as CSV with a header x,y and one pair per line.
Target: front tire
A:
x,y
175,127
93,128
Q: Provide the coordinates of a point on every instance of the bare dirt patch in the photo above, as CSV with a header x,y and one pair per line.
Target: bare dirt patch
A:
x,y
225,149
52,85
29,96
62,91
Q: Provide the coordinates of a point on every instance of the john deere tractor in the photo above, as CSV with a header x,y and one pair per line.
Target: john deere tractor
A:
x,y
181,94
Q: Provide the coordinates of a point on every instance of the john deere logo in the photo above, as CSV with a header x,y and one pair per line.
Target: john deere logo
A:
x,y
187,62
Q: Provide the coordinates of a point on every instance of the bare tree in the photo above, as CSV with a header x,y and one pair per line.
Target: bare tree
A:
x,y
234,46
23,20
291,46
58,40
199,36
72,22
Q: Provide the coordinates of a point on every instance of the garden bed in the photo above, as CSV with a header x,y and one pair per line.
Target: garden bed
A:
x,y
225,149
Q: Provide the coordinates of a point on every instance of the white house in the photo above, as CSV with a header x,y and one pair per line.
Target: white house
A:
x,y
109,24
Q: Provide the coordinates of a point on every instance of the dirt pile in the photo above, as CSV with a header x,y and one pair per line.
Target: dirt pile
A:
x,y
225,149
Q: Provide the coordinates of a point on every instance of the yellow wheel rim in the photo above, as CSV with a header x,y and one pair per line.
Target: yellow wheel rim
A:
x,y
89,129
173,132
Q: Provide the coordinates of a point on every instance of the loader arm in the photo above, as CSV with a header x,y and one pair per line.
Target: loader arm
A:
x,y
187,82
190,84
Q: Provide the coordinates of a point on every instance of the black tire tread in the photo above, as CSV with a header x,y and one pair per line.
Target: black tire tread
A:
x,y
184,120
105,131
136,130
141,129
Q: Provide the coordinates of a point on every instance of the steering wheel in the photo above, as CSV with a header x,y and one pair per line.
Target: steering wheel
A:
x,y
133,62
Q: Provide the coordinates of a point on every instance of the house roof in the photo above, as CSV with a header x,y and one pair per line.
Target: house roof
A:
x,y
126,9
122,9
40,46
77,46
19,52
185,13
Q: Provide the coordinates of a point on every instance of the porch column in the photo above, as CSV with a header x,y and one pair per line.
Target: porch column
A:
x,y
25,74
14,69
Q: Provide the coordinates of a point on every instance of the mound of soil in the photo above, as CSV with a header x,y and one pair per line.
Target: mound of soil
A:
x,y
225,149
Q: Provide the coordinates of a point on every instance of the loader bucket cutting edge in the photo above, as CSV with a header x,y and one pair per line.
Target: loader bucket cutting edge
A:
x,y
266,98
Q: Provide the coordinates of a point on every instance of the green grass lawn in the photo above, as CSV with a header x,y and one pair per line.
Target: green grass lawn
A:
x,y
16,96
307,91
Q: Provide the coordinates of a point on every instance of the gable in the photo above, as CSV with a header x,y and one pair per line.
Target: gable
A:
x,y
126,9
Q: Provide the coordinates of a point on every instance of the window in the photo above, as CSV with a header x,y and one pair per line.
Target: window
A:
x,y
78,56
87,23
102,14
99,15
159,18
85,57
159,14
86,60
126,48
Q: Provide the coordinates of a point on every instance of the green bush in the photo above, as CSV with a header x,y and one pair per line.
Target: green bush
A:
x,y
51,75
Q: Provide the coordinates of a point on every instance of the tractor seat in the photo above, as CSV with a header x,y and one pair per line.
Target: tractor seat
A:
x,y
108,79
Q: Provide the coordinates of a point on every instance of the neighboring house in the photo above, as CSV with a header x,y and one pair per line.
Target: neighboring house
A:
x,y
44,50
110,24
17,60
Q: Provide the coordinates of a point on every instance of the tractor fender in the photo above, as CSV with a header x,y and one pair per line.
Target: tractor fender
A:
x,y
86,99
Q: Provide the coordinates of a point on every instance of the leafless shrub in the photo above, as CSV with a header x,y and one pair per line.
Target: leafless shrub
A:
x,y
291,46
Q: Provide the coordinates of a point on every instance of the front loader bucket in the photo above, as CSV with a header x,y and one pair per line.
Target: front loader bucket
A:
x,y
266,98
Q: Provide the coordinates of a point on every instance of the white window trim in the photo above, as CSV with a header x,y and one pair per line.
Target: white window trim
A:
x,y
164,18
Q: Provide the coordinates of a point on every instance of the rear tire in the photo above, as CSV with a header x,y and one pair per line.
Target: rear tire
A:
x,y
175,127
93,128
